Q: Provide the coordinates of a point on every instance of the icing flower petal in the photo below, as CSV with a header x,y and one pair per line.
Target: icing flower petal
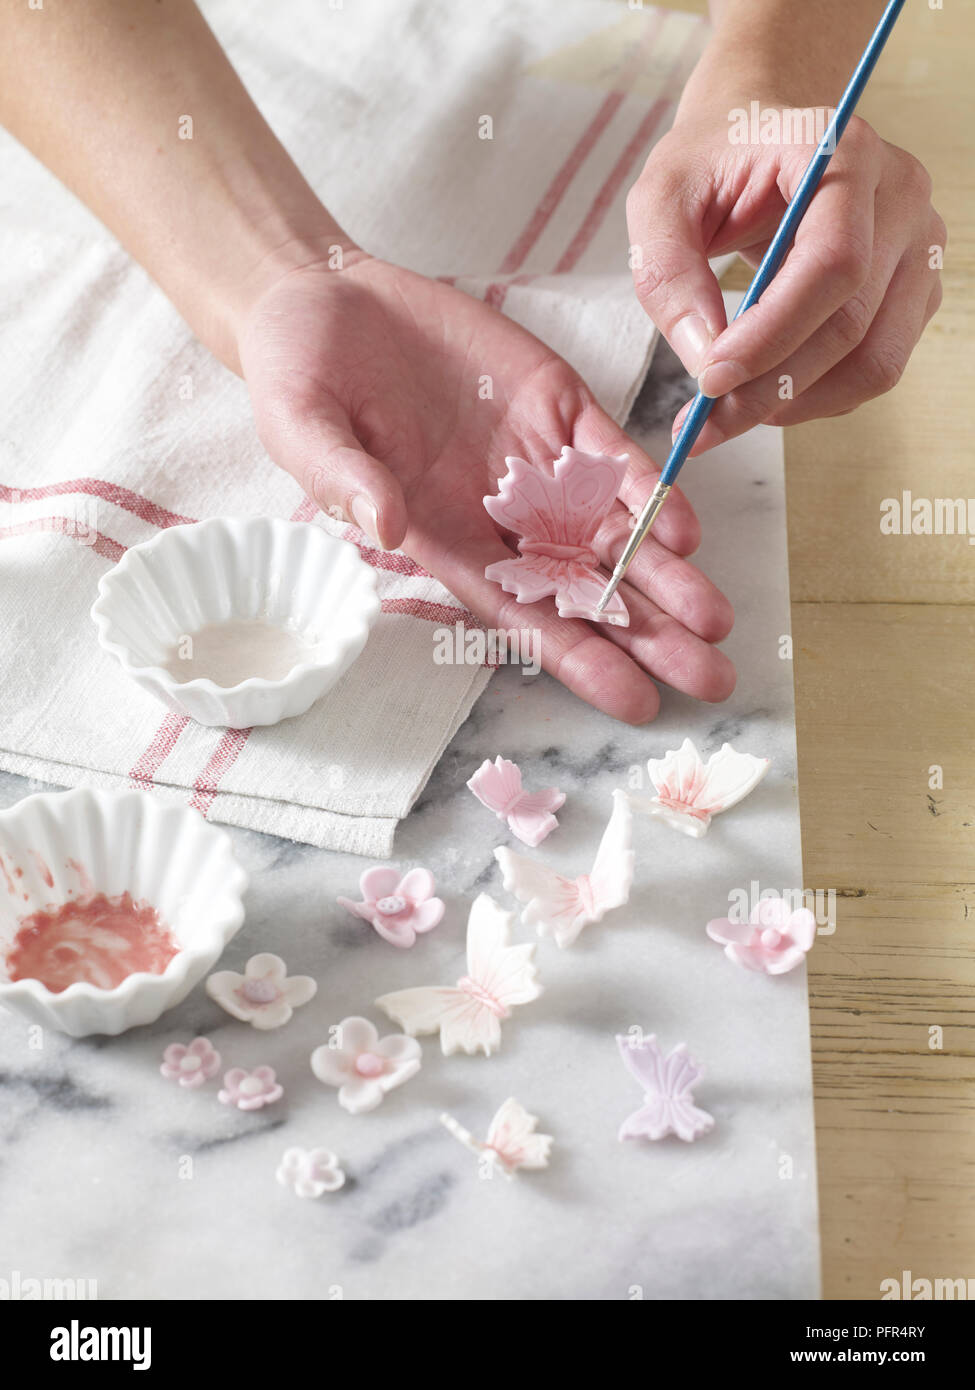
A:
x,y
355,1034
722,929
427,915
359,1096
417,885
378,882
298,989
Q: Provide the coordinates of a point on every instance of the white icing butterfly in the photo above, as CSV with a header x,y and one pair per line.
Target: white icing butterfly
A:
x,y
511,1140
468,1015
690,791
561,907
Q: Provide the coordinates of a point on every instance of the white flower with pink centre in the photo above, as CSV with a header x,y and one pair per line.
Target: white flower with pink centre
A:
x,y
250,1090
363,1065
774,940
265,995
310,1172
400,908
190,1065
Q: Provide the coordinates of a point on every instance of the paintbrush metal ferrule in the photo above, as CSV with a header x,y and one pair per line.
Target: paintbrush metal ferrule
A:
x,y
638,535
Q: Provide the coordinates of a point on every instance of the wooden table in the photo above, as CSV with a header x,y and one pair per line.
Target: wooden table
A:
x,y
883,629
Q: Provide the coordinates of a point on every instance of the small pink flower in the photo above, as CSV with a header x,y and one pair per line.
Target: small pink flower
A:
x,y
265,995
190,1066
399,908
775,938
250,1090
363,1065
529,815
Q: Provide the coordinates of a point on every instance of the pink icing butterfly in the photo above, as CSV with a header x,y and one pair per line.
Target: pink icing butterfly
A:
x,y
511,1141
529,815
557,517
691,791
668,1106
559,906
468,1015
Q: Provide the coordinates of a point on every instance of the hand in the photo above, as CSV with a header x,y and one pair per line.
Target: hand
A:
x,y
840,320
365,386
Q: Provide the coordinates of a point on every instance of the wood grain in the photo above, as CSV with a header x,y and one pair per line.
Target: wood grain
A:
x,y
884,634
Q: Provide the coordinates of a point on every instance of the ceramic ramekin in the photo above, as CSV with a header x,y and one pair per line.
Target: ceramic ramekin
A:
x,y
289,574
59,846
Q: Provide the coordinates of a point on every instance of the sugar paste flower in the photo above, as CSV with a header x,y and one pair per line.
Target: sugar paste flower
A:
x,y
468,1015
250,1090
690,791
310,1172
511,1141
557,516
668,1105
399,908
363,1065
190,1065
561,907
775,938
529,815
265,995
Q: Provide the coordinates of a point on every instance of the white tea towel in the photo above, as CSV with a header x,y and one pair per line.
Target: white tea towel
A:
x,y
115,421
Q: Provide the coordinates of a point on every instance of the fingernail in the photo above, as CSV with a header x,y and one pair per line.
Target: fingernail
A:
x,y
690,339
679,419
366,517
721,377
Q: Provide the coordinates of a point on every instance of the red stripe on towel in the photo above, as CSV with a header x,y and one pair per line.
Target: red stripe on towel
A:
x,y
432,612
119,496
629,71
163,743
390,560
67,526
640,140
226,753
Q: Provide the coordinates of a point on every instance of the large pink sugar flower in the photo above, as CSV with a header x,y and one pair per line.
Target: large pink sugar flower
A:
x,y
775,938
399,908
190,1065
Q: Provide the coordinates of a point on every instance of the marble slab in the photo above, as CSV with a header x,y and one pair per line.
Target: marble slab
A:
x,y
108,1173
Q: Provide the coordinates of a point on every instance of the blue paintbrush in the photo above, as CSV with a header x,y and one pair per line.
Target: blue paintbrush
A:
x,y
772,260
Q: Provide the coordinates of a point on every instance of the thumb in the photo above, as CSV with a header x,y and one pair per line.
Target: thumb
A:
x,y
673,280
320,449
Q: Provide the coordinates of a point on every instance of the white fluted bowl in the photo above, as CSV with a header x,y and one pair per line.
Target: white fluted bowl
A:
x,y
289,575
165,855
